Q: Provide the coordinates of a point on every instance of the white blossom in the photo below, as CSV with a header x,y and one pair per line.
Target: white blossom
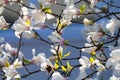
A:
x,y
94,36
114,62
84,61
71,12
10,72
17,63
113,25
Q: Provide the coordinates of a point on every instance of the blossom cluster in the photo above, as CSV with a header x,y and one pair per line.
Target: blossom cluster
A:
x,y
99,36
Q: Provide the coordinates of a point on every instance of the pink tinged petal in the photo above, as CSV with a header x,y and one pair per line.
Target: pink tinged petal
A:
x,y
6,1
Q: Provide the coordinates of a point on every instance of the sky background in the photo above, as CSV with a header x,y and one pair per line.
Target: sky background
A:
x,y
73,34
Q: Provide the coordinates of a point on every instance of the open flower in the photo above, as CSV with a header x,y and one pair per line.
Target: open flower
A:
x,y
10,72
85,64
41,60
94,36
38,19
23,27
114,62
11,51
70,11
113,25
84,61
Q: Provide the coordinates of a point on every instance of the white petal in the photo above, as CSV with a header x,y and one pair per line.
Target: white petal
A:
x,y
115,54
57,76
109,63
49,16
8,47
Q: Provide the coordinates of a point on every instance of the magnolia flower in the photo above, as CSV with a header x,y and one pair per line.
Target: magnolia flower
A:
x,y
47,3
10,72
94,36
86,21
38,19
113,25
56,38
57,76
3,23
10,49
71,11
84,61
17,64
26,25
23,27
38,15
91,28
89,48
114,62
61,24
46,65
100,67
41,60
